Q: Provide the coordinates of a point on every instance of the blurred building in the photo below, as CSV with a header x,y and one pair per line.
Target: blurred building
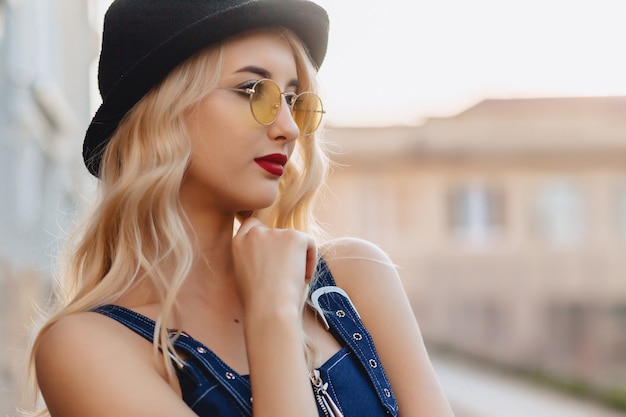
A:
x,y
46,50
508,222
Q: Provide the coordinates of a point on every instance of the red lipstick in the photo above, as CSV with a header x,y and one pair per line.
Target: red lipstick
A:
x,y
273,163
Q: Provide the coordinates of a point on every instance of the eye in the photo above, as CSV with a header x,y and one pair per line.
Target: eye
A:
x,y
247,85
291,98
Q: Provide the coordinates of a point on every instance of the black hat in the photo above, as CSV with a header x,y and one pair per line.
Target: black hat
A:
x,y
144,40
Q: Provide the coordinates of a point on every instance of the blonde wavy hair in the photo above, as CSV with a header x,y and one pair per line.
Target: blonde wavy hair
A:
x,y
138,224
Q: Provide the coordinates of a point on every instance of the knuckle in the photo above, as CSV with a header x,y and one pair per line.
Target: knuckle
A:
x,y
292,236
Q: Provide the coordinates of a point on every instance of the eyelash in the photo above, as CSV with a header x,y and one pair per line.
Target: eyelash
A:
x,y
290,96
249,84
246,85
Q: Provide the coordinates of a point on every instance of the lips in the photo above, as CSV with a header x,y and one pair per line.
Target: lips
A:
x,y
274,163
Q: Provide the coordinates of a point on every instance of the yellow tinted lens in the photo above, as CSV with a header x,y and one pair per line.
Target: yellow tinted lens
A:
x,y
307,112
265,102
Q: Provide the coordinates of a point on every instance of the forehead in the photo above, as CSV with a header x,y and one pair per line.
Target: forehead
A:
x,y
265,49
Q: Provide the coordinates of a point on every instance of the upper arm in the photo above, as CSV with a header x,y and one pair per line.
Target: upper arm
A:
x,y
371,280
89,365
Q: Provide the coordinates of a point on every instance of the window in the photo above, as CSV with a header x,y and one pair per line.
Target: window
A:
x,y
560,213
476,211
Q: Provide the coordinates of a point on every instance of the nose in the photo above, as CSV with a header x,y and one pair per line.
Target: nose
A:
x,y
284,127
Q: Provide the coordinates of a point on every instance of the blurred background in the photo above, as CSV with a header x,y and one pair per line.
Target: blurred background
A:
x,y
481,144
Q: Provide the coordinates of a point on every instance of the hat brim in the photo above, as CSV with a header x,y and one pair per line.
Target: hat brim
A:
x,y
307,20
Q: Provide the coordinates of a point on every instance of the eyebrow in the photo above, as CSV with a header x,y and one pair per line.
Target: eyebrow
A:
x,y
263,73
255,70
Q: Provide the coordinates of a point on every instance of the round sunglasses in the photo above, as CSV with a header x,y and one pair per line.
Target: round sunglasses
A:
x,y
266,100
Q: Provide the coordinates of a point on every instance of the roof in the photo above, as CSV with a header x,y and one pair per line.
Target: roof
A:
x,y
503,125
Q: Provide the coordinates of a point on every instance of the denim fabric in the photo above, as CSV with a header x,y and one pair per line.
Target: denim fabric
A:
x,y
359,387
356,380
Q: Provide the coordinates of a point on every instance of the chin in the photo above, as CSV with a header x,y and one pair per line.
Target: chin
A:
x,y
260,203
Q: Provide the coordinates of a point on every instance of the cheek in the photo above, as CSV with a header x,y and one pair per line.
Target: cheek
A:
x,y
205,129
216,121
292,146
218,146
221,135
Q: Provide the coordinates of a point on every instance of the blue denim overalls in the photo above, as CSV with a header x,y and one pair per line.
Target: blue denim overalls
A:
x,y
353,378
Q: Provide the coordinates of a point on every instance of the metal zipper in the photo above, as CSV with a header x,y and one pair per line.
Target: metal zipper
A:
x,y
323,398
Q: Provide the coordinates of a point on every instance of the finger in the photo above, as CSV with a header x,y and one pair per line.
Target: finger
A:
x,y
247,225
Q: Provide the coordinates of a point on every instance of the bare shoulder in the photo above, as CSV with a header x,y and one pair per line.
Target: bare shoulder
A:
x,y
79,326
372,282
81,337
352,247
85,360
72,337
361,266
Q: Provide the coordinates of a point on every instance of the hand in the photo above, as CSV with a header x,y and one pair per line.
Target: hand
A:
x,y
272,266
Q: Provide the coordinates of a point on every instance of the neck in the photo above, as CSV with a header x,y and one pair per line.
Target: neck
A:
x,y
211,231
211,234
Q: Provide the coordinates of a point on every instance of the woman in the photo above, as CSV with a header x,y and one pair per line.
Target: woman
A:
x,y
202,240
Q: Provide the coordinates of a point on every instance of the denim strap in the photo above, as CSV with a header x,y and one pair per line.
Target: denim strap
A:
x,y
238,387
346,324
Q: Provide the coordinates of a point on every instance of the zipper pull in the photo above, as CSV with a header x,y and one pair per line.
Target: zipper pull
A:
x,y
324,399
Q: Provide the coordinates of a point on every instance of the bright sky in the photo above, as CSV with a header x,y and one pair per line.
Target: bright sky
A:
x,y
400,61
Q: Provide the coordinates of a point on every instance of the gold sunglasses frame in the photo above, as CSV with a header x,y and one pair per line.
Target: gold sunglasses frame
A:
x,y
250,91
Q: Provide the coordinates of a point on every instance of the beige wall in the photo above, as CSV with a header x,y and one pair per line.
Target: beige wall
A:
x,y
520,295
22,292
